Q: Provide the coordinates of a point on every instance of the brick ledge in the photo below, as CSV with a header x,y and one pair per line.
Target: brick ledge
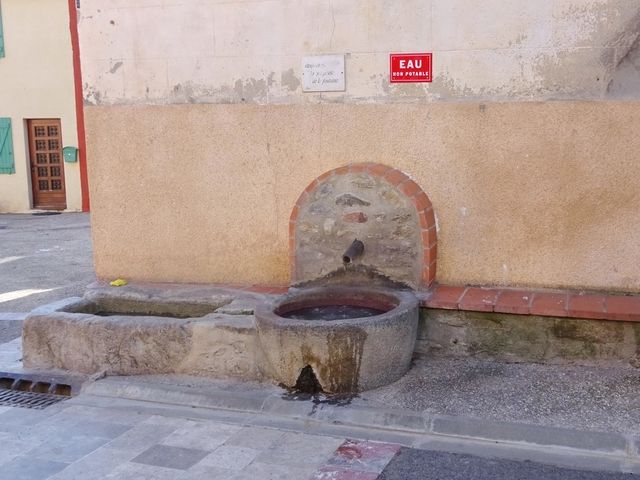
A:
x,y
545,303
557,303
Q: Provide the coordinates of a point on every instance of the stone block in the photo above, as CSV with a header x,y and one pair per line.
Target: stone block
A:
x,y
216,344
535,434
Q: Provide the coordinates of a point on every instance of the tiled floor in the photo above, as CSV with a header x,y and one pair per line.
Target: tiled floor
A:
x,y
70,441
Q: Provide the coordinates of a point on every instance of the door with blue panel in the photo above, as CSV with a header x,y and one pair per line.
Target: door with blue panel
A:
x,y
47,169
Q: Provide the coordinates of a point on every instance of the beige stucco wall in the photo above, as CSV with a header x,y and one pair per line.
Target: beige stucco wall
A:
x,y
36,81
200,138
544,194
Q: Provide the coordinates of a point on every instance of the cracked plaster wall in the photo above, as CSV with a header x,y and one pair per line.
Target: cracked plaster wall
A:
x,y
200,139
190,51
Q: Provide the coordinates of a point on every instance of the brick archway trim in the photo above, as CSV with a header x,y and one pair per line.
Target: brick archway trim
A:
x,y
404,184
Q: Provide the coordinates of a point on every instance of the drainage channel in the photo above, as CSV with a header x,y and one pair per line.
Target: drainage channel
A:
x,y
33,391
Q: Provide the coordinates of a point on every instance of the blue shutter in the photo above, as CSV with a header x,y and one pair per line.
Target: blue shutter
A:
x,y
1,37
6,147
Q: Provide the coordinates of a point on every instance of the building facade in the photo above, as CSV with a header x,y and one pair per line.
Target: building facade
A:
x,y
201,137
39,166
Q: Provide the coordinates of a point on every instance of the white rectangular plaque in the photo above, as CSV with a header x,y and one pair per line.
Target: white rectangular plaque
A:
x,y
323,73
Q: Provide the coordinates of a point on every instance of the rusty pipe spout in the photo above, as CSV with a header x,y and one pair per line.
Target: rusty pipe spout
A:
x,y
355,250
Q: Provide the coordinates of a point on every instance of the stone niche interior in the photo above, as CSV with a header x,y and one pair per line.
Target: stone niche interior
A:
x,y
376,204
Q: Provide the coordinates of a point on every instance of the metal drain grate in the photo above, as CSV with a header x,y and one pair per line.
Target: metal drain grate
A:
x,y
38,401
37,391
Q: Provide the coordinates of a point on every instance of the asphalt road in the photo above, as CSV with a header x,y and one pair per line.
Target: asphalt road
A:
x,y
43,259
412,464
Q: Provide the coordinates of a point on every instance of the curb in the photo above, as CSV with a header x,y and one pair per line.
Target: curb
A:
x,y
13,316
272,401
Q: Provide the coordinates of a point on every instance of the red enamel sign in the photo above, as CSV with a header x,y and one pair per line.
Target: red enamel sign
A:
x,y
410,67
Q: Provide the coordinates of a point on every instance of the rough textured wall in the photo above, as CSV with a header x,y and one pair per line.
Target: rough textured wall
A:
x,y
189,51
201,139
36,81
532,194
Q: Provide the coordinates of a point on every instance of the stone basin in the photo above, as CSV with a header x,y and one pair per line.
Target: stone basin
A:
x,y
346,355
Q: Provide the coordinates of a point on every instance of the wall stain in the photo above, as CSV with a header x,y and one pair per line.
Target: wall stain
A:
x,y
289,80
115,67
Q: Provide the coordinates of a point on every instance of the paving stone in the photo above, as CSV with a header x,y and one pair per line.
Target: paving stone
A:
x,y
106,415
67,449
208,472
230,457
22,417
266,471
300,449
12,445
97,429
201,435
535,434
139,471
255,437
176,422
29,468
94,466
170,457
140,438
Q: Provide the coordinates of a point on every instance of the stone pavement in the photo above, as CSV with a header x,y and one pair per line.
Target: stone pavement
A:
x,y
72,441
88,438
177,427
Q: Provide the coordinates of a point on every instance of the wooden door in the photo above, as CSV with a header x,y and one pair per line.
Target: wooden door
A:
x,y
47,169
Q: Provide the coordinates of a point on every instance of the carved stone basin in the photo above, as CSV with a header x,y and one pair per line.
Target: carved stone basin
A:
x,y
350,339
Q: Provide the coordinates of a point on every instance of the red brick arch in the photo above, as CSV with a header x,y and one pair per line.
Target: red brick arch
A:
x,y
404,184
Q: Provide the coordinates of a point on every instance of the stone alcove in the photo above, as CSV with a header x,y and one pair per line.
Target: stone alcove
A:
x,y
375,203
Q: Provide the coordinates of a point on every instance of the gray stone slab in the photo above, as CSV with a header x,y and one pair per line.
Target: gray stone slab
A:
x,y
380,418
255,437
140,438
560,456
22,417
95,466
205,396
230,457
299,449
535,434
258,470
28,468
201,435
67,449
97,429
279,406
130,416
171,457
140,471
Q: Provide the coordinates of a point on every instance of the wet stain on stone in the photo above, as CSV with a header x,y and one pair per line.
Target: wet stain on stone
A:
x,y
345,358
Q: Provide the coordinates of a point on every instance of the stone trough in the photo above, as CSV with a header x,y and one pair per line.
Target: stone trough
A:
x,y
226,343
346,354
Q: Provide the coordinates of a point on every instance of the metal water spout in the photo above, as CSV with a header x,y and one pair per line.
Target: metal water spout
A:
x,y
355,250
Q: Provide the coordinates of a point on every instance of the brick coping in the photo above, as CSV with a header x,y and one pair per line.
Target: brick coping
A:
x,y
546,303
557,303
